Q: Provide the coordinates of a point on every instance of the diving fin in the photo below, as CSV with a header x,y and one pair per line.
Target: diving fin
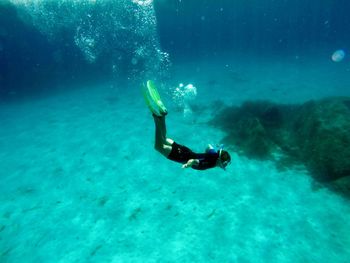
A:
x,y
149,101
153,100
156,97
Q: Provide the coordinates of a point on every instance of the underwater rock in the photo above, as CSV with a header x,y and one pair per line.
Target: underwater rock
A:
x,y
317,133
322,133
252,127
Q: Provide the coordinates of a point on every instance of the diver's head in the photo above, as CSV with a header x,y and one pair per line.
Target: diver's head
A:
x,y
224,159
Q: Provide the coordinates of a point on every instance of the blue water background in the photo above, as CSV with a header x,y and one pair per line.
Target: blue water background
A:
x,y
80,180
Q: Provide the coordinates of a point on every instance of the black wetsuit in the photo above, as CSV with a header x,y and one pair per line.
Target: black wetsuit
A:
x,y
182,154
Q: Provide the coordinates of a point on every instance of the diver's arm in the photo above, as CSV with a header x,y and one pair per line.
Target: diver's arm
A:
x,y
190,163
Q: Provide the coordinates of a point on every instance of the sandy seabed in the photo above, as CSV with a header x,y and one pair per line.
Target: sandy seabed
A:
x,y
80,181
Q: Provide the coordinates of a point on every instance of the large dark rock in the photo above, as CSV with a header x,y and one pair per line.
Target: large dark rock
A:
x,y
316,133
322,133
257,128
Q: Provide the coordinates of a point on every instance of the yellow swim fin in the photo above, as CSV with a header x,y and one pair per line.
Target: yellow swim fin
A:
x,y
149,101
153,100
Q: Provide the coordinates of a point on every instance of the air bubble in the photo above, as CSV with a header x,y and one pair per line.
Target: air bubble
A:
x,y
338,55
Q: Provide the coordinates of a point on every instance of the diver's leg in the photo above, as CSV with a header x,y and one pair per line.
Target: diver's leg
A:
x,y
167,141
162,144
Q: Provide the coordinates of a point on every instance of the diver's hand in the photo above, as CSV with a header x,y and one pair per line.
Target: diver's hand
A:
x,y
190,163
185,166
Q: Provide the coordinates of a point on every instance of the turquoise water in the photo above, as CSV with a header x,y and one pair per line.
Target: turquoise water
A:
x,y
81,181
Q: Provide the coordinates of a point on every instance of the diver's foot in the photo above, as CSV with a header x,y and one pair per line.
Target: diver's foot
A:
x,y
161,108
153,100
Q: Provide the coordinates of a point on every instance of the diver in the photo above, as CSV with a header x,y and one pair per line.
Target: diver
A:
x,y
176,152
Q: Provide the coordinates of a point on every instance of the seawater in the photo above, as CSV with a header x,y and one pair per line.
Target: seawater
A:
x,y
80,179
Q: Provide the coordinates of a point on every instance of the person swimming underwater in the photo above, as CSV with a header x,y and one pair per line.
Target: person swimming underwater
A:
x,y
174,151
